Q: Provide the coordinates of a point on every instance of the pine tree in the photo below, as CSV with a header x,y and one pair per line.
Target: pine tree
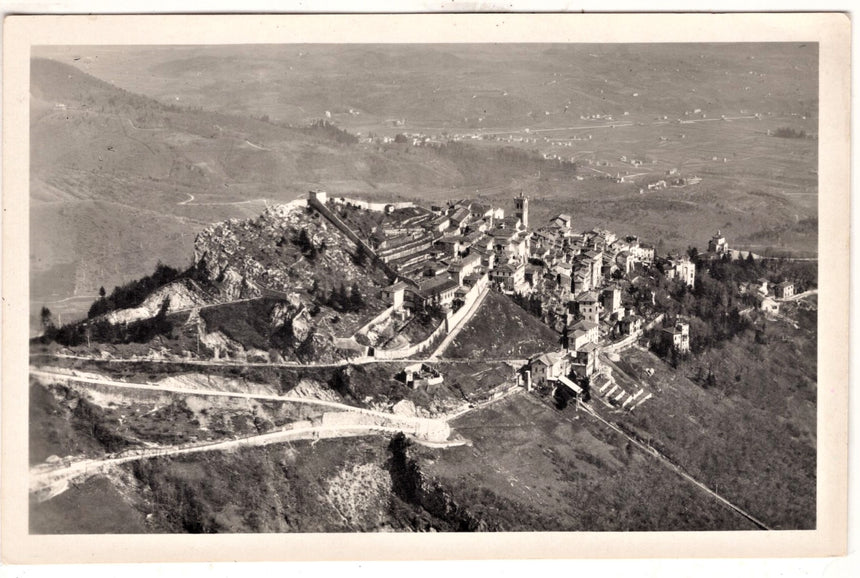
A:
x,y
356,301
360,255
46,317
306,245
339,298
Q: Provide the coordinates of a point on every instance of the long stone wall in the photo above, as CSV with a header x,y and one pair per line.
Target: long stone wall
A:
x,y
469,299
632,338
376,320
350,234
624,343
368,206
412,349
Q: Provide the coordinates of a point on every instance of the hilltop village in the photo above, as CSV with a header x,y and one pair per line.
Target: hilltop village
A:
x,y
336,280
331,318
594,288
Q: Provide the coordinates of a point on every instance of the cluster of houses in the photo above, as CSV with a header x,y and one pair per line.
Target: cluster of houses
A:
x,y
767,294
578,274
440,253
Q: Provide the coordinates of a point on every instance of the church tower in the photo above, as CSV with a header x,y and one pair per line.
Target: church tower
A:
x,y
521,204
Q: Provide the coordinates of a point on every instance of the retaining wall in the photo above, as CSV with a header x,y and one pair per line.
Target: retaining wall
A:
x,y
454,319
367,205
412,349
632,338
350,234
378,319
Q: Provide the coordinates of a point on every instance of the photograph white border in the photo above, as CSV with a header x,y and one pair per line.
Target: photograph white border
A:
x,y
830,30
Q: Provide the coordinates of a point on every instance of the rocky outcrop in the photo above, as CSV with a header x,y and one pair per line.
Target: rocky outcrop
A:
x,y
293,318
282,269
285,249
411,485
181,295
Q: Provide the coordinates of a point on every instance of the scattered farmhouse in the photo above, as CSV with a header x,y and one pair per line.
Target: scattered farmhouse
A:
x,y
784,290
677,336
419,375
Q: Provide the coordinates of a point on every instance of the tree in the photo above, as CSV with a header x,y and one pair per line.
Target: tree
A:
x,y
339,299
102,292
565,340
340,382
306,245
46,317
356,300
711,379
692,253
360,255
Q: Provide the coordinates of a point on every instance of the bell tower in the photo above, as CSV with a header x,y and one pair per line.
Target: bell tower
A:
x,y
521,205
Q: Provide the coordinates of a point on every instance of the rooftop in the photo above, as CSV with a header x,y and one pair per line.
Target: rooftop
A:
x,y
548,359
586,297
584,325
588,347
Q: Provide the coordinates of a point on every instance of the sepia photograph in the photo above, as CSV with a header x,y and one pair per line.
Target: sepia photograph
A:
x,y
424,287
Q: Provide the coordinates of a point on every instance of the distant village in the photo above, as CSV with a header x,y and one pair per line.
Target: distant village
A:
x,y
444,256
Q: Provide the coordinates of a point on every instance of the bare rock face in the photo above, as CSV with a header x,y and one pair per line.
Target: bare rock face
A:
x,y
223,346
281,314
285,249
310,388
301,326
404,407
292,314
181,295
235,286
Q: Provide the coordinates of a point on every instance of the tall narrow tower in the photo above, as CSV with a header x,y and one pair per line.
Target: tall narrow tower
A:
x,y
521,204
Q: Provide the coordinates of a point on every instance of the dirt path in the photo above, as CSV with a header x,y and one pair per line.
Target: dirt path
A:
x,y
258,147
186,201
452,416
51,479
676,468
227,363
50,375
48,480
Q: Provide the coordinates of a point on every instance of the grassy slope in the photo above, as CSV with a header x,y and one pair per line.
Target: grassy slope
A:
x,y
446,88
331,485
564,475
756,444
93,507
500,329
110,173
536,468
447,83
